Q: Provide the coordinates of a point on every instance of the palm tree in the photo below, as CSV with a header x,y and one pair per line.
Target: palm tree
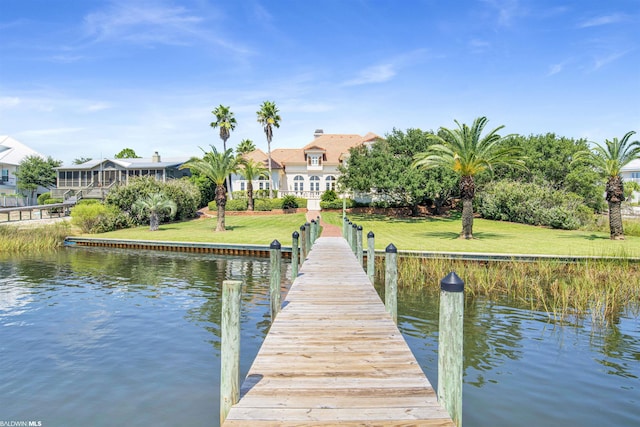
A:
x,y
269,118
155,204
608,160
464,151
245,146
226,122
217,166
251,170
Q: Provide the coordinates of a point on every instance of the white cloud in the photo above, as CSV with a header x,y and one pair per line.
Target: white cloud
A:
x,y
375,74
507,10
602,20
604,60
9,101
98,106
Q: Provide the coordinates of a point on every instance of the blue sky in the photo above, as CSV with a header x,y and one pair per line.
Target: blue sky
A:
x,y
88,78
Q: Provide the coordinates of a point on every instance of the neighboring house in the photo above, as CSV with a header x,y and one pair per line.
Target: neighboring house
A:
x,y
12,153
94,178
631,173
309,171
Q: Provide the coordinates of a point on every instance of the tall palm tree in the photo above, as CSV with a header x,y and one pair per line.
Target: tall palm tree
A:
x,y
467,153
155,204
608,160
226,122
250,170
245,146
269,118
216,166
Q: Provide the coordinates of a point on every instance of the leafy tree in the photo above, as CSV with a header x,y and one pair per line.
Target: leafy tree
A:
x,y
81,160
467,153
154,204
34,172
548,162
216,166
385,169
608,160
245,146
250,170
269,118
127,153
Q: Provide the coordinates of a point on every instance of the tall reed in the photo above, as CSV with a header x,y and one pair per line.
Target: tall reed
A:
x,y
14,239
601,289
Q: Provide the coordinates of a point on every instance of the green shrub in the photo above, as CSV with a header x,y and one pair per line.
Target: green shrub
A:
x,y
43,198
337,204
262,205
533,204
51,202
98,218
289,202
236,205
183,192
89,201
329,196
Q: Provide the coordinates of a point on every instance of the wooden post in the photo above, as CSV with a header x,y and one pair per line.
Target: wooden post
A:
x,y
307,236
450,368
317,228
230,347
348,231
391,281
345,224
354,238
359,249
303,245
314,230
274,288
371,256
294,255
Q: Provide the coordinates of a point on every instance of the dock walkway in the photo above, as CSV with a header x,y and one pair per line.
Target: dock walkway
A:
x,y
334,356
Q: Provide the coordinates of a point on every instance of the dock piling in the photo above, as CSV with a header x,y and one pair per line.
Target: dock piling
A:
x,y
295,237
450,335
371,256
230,347
391,281
274,288
359,250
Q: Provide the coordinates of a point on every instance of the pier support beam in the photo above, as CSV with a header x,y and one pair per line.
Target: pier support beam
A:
x,y
371,256
391,281
295,237
275,255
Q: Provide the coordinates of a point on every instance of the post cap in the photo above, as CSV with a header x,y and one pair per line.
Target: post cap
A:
x,y
452,283
354,225
370,235
313,221
295,235
275,245
359,228
302,227
391,249
306,224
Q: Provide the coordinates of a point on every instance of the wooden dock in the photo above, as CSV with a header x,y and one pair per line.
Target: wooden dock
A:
x,y
333,356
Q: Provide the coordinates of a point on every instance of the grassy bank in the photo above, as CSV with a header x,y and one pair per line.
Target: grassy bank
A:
x,y
14,239
602,290
441,234
256,230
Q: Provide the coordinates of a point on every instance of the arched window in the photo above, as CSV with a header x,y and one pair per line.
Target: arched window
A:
x,y
298,183
315,183
263,183
330,182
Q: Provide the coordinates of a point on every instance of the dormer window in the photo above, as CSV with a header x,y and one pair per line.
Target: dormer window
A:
x,y
314,160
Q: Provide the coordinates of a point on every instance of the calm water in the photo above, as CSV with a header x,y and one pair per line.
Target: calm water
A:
x,y
105,337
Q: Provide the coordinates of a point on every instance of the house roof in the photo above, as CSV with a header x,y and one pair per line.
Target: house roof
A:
x,y
633,165
12,152
332,145
138,163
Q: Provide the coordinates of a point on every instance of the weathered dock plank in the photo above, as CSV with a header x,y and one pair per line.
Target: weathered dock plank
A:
x,y
333,356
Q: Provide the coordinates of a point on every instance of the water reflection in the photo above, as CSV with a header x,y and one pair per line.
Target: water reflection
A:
x,y
522,368
103,337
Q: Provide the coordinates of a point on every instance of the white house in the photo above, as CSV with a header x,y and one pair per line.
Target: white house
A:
x,y
12,153
631,173
308,171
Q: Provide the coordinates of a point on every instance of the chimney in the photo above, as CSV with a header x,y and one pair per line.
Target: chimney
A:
x,y
318,133
155,158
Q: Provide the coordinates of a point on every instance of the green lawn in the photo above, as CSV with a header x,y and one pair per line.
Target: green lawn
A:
x,y
255,230
422,234
441,234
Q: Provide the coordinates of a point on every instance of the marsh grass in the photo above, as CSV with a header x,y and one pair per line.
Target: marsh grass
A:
x,y
569,292
14,239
